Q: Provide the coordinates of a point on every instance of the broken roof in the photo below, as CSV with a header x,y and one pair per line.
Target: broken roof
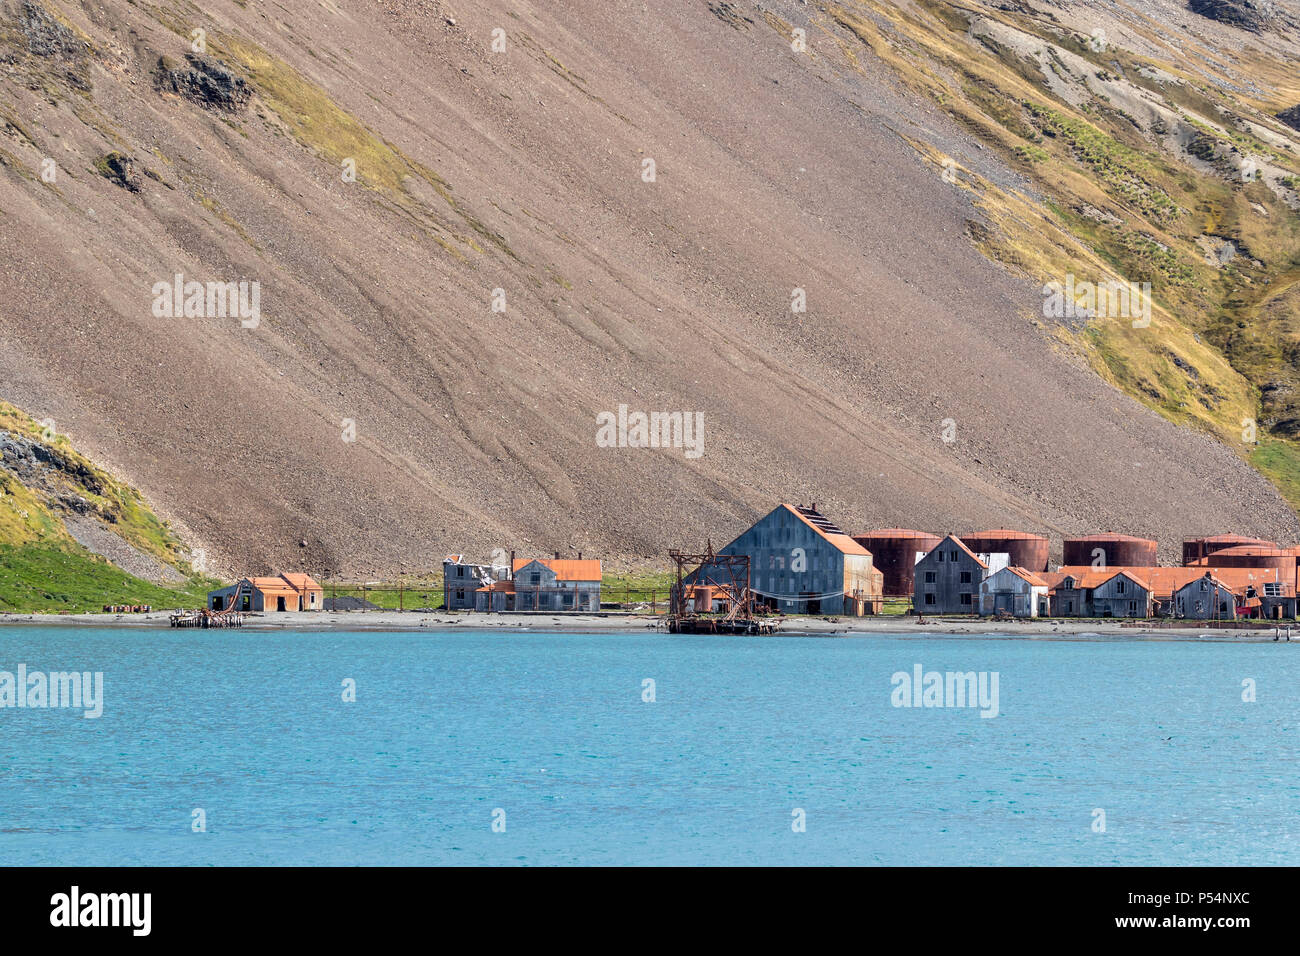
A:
x,y
828,530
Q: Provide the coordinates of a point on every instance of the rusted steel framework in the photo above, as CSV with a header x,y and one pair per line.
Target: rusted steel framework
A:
x,y
724,575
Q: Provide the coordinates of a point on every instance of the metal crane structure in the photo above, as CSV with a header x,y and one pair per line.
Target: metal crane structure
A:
x,y
721,576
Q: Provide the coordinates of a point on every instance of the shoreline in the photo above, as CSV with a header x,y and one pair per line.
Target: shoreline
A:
x,y
624,622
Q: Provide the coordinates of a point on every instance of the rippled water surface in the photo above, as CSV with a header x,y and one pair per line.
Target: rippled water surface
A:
x,y
551,728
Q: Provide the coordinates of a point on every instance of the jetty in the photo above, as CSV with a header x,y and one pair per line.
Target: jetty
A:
x,y
206,618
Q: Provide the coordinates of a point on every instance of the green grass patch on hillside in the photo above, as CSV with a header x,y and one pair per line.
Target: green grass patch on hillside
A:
x,y
1280,462
43,569
112,500
54,577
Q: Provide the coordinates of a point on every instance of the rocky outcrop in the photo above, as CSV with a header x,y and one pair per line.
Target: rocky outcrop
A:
x,y
204,81
119,170
1252,15
1291,117
35,463
46,36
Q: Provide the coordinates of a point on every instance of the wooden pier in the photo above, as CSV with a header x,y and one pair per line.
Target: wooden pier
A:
x,y
718,625
207,619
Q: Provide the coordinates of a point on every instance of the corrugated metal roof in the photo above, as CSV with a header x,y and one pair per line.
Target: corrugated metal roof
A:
x,y
1029,576
1163,582
292,583
302,581
566,569
827,529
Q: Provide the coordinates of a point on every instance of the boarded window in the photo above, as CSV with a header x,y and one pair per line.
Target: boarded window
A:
x,y
965,577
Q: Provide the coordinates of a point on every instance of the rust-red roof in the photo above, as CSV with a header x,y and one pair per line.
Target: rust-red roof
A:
x,y
1163,582
1006,534
1252,551
566,569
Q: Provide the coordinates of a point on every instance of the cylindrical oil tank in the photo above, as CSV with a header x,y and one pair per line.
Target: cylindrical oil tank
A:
x,y
893,552
1196,548
1028,551
1116,550
703,598
1285,560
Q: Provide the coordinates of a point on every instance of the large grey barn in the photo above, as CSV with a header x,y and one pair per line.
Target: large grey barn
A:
x,y
801,563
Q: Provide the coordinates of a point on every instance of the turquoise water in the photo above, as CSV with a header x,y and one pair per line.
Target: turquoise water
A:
x,y
250,726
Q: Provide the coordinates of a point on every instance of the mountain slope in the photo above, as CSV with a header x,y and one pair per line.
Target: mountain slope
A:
x,y
73,537
522,171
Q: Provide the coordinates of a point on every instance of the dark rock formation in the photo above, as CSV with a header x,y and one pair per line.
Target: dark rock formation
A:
x,y
1252,15
46,36
1291,117
205,81
118,169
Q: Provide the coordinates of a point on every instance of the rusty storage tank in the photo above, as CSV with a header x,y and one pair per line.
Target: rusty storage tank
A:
x,y
1118,550
1285,560
893,553
703,598
1028,551
1196,548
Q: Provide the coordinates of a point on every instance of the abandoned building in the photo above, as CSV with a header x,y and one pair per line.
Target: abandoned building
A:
x,y
1014,591
544,584
800,562
285,592
461,581
948,578
1101,592
1126,593
1183,592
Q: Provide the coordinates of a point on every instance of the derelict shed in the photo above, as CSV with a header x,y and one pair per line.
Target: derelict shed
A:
x,y
557,584
1123,594
286,592
948,579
